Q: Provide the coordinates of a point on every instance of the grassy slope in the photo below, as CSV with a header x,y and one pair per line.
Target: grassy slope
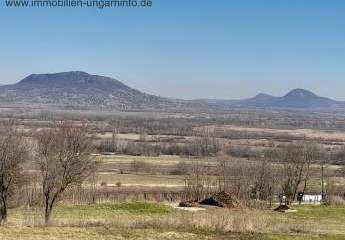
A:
x,y
69,223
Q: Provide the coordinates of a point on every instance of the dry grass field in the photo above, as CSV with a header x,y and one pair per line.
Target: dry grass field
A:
x,y
139,220
308,133
158,172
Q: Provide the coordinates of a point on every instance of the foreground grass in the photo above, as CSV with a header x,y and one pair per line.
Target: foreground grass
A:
x,y
103,209
100,233
101,212
320,212
326,218
157,221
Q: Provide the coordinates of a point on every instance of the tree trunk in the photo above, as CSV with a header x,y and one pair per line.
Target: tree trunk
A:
x,y
3,207
47,213
49,207
3,212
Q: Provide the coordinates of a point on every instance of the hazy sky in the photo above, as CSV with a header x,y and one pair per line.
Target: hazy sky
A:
x,y
185,48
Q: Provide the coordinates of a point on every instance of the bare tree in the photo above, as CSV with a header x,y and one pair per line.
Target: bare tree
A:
x,y
264,175
206,144
293,166
296,160
65,160
235,176
223,172
13,153
198,180
311,152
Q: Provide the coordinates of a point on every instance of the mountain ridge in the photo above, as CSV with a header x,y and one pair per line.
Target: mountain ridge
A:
x,y
297,98
78,88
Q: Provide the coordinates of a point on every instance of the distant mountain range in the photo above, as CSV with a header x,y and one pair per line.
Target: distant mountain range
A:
x,y
297,98
80,89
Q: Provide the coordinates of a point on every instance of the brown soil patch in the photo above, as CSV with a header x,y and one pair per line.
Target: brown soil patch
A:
x,y
281,208
221,199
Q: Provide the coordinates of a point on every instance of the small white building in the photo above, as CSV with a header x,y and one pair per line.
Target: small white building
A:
x,y
312,198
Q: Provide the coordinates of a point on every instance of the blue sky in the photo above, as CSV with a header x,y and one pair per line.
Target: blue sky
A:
x,y
185,48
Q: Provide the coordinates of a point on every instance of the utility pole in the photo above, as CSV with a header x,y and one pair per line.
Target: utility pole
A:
x,y
323,195
322,182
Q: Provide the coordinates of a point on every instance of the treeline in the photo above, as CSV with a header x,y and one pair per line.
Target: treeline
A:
x,y
206,144
284,171
285,119
152,122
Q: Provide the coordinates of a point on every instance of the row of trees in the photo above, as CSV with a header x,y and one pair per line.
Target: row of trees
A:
x,y
284,171
62,156
204,144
